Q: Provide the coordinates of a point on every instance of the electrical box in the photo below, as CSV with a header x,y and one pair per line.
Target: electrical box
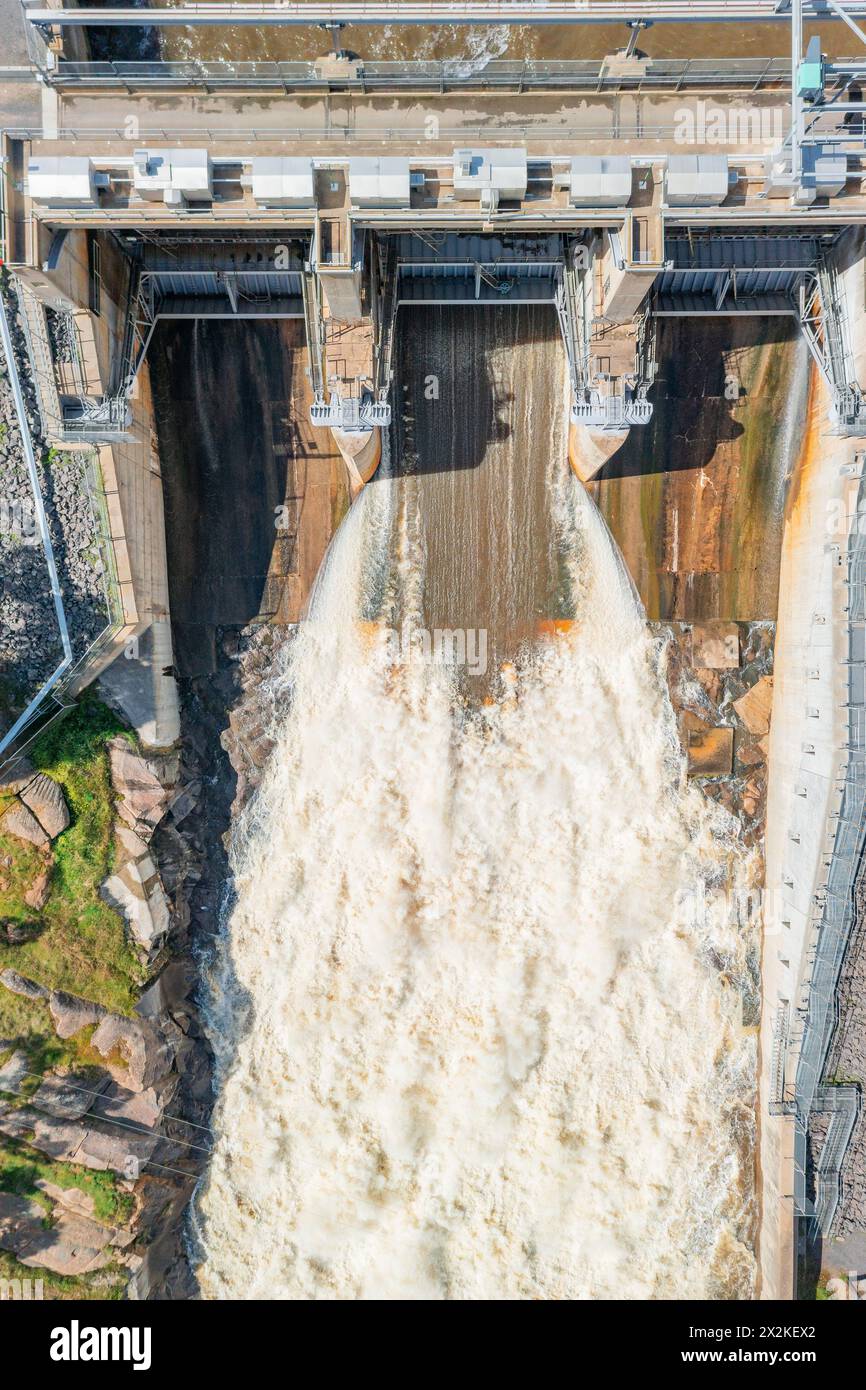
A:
x,y
282,182
379,181
696,180
502,170
61,181
602,181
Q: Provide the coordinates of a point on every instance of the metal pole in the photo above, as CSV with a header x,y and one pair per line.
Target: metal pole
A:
x,y
796,99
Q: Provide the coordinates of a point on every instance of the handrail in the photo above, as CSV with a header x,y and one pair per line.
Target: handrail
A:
x,y
42,522
454,73
368,12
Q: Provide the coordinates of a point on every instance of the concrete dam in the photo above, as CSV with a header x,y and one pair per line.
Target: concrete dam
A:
x,y
482,520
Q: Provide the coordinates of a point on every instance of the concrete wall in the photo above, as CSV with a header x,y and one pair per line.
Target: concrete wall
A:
x,y
808,732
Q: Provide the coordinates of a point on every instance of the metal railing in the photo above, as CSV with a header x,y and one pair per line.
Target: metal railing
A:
x,y
445,75
7,740
52,698
833,925
611,414
337,13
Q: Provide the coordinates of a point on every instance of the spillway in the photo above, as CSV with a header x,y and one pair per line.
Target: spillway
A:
x,y
476,1006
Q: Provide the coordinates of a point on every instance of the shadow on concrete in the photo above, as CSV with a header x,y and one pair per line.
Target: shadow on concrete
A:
x,y
693,408
223,398
447,406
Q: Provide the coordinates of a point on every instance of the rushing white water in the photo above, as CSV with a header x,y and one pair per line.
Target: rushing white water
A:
x,y
477,1016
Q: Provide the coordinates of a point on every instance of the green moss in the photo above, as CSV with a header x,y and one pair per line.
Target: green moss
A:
x,y
22,1167
81,945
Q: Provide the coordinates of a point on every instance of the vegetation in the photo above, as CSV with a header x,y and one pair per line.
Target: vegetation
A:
x,y
22,1168
79,943
107,1284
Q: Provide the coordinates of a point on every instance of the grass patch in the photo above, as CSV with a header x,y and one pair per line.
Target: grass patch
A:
x,y
21,1167
27,1024
82,944
107,1284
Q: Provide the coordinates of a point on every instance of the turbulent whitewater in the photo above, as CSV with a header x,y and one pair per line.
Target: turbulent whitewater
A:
x,y
477,1010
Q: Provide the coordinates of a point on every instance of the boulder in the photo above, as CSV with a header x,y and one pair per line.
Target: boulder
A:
x,y
72,1245
15,776
141,796
69,1097
143,1108
118,1149
19,984
146,1055
122,1151
39,892
170,991
14,1072
71,1014
755,707
23,825
15,1122
46,800
184,800
16,933
72,1198
138,895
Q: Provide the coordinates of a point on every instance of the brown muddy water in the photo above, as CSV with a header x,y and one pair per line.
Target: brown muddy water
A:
x,y
477,444
480,43
477,1007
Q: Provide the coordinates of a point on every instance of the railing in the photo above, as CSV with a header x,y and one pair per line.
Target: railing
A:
x,y
835,920
445,75
613,413
313,326
437,12
352,414
8,739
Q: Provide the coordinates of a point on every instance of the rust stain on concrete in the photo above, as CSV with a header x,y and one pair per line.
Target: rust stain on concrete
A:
x,y
696,500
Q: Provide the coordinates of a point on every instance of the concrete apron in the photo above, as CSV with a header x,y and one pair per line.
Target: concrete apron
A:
x,y
361,451
589,450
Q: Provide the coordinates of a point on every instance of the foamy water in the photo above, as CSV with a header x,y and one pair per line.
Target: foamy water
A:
x,y
476,1012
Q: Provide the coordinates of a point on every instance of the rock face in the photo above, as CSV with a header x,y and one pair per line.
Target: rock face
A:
x,y
142,797
710,751
23,825
72,1245
45,799
146,1054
